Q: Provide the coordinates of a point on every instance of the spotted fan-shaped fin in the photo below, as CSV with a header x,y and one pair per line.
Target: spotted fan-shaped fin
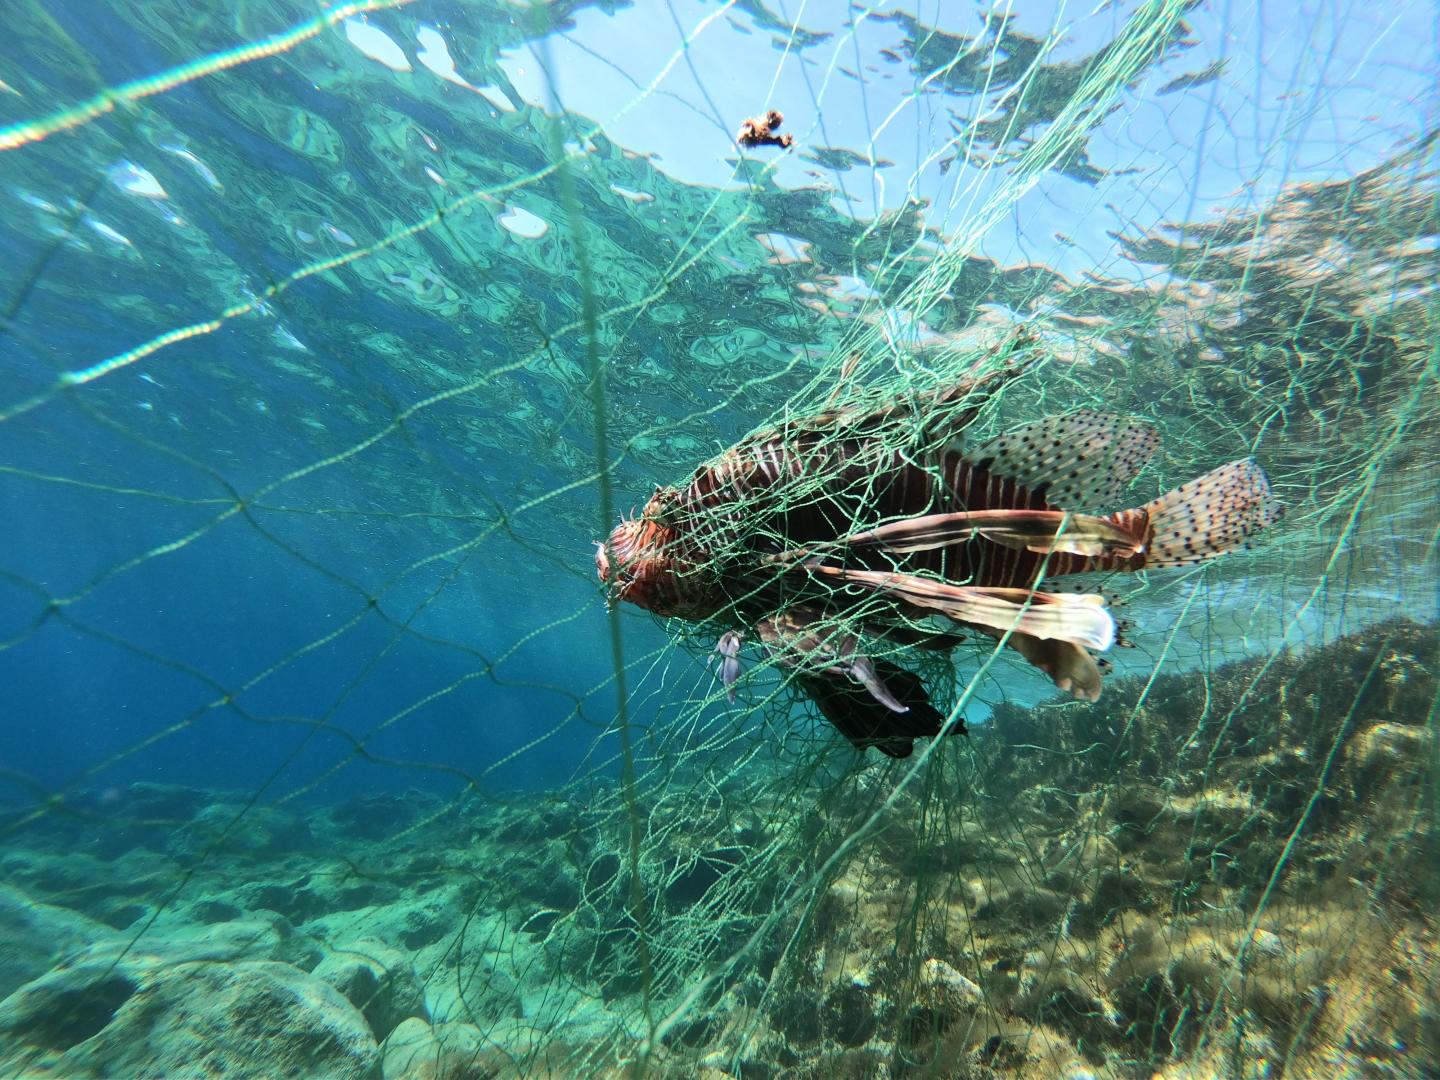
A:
x,y
1210,515
1083,459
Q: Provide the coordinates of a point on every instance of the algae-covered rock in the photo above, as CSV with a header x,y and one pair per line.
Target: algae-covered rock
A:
x,y
143,1016
417,1051
945,988
1220,876
1206,874
377,980
411,1051
263,935
227,827
1387,752
33,936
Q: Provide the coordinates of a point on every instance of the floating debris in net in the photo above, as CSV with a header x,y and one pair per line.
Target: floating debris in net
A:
x,y
760,131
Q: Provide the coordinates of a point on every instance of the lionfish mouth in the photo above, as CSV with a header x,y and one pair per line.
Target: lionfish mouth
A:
x,y
602,562
639,564
626,561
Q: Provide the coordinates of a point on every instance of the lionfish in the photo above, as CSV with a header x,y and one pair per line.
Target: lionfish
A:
x,y
863,530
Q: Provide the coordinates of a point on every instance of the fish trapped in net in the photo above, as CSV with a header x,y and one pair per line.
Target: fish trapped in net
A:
x,y
846,538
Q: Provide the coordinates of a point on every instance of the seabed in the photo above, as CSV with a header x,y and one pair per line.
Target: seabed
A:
x,y
1176,887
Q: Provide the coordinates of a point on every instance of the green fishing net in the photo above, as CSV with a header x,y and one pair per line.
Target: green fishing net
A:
x,y
335,337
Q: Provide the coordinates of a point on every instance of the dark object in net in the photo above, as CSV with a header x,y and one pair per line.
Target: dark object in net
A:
x,y
866,722
760,131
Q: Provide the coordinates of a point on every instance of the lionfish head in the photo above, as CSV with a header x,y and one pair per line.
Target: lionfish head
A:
x,y
640,564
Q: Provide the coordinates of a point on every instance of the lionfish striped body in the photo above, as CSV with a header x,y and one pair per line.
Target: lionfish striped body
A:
x,y
875,521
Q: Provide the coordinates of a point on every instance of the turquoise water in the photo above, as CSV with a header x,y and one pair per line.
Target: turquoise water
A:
x,y
332,341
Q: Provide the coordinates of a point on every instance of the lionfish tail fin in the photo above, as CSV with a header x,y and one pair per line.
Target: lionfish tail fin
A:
x,y
1212,514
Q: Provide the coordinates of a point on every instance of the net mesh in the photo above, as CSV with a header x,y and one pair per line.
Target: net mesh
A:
x,y
334,338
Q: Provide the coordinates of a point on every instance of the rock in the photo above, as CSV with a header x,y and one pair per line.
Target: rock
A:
x,y
797,1018
1266,943
716,1066
945,1000
411,1051
947,988
261,936
228,828
1115,890
146,802
847,1015
33,936
377,980
1381,753
293,900
380,814
1032,906
145,1016
1049,991
417,1051
688,883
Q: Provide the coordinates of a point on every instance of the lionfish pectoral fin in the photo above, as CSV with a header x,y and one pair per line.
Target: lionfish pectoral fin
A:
x,y
1076,534
1210,515
803,638
847,369
729,674
728,649
1032,530
1080,618
1084,458
862,669
1070,667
